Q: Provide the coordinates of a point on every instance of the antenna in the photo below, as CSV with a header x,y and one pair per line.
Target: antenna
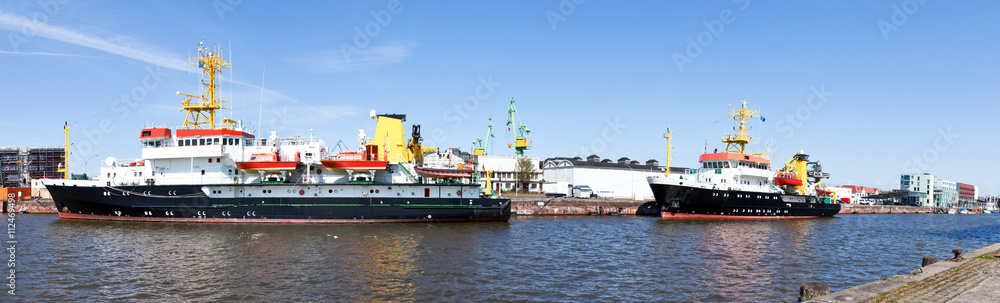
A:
x,y
231,79
260,112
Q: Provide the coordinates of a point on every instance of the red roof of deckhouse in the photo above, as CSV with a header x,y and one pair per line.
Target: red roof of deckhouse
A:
x,y
734,157
211,132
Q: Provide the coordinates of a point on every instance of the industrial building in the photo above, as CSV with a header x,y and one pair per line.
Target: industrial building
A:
x,y
625,178
504,168
20,165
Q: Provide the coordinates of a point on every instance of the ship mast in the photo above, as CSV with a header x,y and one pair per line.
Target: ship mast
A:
x,y
211,63
667,136
736,143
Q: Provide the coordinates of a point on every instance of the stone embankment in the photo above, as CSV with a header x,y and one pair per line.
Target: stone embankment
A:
x,y
572,206
970,277
888,209
34,206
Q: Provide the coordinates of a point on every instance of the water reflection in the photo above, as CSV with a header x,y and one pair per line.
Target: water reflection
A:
x,y
530,259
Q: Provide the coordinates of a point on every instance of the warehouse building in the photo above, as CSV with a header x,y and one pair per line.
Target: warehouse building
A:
x,y
623,179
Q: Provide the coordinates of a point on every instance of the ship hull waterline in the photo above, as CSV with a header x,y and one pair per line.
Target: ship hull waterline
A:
x,y
685,202
189,203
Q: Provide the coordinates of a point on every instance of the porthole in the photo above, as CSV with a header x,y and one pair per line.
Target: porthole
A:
x,y
331,191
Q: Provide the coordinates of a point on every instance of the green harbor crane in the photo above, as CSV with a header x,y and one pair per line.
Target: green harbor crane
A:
x,y
522,139
478,146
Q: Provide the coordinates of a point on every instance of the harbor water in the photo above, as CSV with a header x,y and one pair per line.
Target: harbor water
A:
x,y
567,258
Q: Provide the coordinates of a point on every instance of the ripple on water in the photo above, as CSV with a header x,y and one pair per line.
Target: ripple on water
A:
x,y
561,259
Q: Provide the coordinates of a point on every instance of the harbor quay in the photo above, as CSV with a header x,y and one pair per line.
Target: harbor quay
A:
x,y
968,277
570,206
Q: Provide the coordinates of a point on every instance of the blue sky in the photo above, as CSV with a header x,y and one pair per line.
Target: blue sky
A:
x,y
872,89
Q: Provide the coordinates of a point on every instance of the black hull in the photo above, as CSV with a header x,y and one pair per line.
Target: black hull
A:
x,y
684,202
189,203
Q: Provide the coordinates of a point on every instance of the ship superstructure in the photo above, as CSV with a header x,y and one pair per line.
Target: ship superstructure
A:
x,y
740,185
221,172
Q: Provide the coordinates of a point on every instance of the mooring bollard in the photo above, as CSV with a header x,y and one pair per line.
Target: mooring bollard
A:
x,y
812,290
929,261
958,254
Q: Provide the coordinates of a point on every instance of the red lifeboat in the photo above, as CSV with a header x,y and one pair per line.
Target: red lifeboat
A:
x,y
353,161
266,162
787,179
443,173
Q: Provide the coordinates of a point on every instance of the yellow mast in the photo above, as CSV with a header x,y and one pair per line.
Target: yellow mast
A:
x,y
211,63
667,170
66,153
736,144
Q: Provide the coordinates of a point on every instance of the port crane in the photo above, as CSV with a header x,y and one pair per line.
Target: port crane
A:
x,y
478,146
522,139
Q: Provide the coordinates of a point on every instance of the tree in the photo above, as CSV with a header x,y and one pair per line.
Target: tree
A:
x,y
525,172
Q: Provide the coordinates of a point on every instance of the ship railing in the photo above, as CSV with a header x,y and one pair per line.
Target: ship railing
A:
x,y
400,160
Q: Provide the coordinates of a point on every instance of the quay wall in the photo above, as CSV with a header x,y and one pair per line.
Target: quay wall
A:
x,y
36,206
847,209
571,206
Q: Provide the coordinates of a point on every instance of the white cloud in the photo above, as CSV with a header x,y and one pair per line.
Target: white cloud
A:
x,y
44,54
298,112
20,25
336,61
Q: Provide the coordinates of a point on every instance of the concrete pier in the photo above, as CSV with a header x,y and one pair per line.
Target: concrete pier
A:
x,y
972,277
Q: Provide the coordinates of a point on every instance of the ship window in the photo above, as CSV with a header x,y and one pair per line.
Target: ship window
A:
x,y
203,172
726,164
216,141
218,160
209,160
201,141
237,141
157,143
